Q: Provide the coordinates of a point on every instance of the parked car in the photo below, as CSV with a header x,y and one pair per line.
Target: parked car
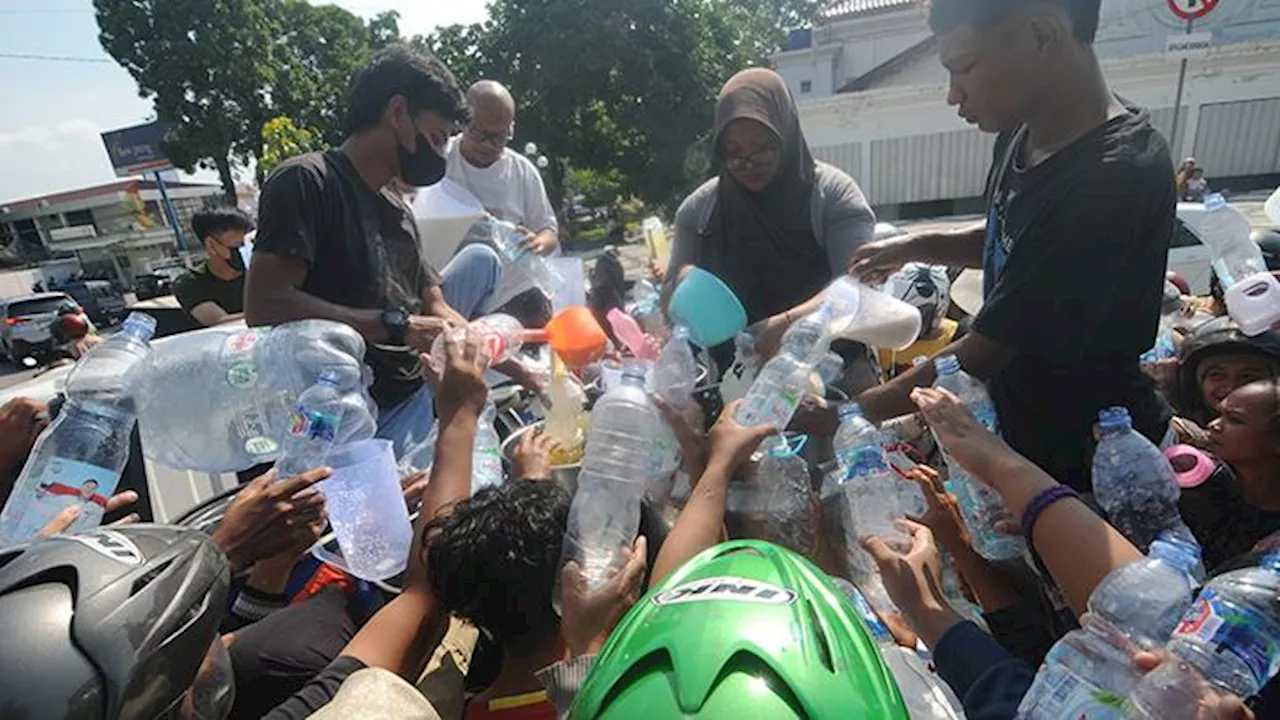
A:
x,y
25,332
152,285
101,300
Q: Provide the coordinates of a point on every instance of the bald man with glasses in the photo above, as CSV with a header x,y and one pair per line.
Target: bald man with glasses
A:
x,y
509,187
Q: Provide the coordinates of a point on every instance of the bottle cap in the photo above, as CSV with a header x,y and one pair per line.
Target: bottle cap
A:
x,y
1114,418
1214,201
849,410
140,325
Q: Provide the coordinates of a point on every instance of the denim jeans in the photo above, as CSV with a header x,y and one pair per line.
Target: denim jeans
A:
x,y
469,279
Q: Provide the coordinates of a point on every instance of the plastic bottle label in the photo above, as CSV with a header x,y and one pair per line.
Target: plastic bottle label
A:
x,y
1234,628
1071,696
986,414
777,409
242,375
312,425
251,424
862,462
239,344
66,483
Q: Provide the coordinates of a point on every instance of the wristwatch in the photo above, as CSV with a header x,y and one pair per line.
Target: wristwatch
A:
x,y
396,321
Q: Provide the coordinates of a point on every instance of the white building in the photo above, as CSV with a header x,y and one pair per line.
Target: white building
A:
x,y
872,96
118,229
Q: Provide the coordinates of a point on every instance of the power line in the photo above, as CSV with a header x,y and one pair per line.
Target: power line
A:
x,y
54,58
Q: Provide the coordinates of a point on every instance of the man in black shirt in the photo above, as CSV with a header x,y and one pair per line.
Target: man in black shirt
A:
x,y
1080,207
335,244
213,293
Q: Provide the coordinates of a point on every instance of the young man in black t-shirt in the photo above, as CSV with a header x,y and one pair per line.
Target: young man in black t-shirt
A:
x,y
213,293
1080,208
334,243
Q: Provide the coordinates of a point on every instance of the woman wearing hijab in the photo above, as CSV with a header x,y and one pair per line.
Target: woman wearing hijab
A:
x,y
775,225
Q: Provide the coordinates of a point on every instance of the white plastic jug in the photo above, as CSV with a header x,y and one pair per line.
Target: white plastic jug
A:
x,y
872,317
367,511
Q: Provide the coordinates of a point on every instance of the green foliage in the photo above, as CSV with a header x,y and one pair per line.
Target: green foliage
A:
x,y
622,88
597,188
217,70
281,140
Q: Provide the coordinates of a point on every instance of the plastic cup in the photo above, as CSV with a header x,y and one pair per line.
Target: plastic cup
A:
x,y
367,511
708,307
880,320
574,335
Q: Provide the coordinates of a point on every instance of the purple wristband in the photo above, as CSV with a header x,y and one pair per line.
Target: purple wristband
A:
x,y
1038,504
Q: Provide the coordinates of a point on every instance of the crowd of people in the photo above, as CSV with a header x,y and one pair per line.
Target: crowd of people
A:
x,y
149,621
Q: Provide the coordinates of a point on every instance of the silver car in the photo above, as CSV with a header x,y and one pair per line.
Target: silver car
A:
x,y
26,323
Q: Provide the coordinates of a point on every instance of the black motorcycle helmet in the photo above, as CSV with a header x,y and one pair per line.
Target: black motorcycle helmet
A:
x,y
1218,336
115,623
1269,242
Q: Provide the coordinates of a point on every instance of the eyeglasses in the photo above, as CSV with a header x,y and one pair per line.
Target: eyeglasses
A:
x,y
498,139
759,158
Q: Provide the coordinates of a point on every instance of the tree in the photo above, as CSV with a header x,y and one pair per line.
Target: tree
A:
x,y
205,64
622,88
384,29
320,50
281,140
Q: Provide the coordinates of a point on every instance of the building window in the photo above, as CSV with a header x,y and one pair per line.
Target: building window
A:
x,y
79,217
806,86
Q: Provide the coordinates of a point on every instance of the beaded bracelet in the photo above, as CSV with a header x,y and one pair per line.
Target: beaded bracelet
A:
x,y
1038,504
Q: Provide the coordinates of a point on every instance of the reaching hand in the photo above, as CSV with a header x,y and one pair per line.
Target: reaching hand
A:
x,y
874,262
1168,675
422,331
942,516
732,443
461,384
589,617
687,427
815,417
768,335
540,243
959,432
532,458
67,516
412,486
269,517
913,579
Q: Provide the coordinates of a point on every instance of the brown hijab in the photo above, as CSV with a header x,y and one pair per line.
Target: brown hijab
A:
x,y
763,244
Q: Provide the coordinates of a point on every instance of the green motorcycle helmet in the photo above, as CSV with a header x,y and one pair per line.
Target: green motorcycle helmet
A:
x,y
746,629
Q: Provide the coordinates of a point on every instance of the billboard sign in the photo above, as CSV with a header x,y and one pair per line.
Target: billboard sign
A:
x,y
136,150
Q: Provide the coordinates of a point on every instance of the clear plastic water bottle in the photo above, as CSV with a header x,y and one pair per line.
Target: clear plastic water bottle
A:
x,y
1132,480
1251,292
219,399
676,370
78,459
982,507
1232,633
1089,672
869,485
510,243
624,448
422,455
486,456
312,427
501,335
774,502
646,308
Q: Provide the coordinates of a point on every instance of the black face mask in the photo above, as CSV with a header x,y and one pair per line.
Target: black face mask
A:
x,y
423,167
236,260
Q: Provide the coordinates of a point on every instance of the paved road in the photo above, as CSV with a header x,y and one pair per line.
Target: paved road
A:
x,y
11,374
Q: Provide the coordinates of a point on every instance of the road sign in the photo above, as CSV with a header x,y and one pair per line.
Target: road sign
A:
x,y
136,150
1189,45
1192,9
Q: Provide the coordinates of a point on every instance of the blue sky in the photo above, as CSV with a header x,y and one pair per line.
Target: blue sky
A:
x,y
53,111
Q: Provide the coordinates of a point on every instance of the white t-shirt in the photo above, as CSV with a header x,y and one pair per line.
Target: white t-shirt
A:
x,y
511,189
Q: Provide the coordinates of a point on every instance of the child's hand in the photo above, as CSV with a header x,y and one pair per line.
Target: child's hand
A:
x,y
462,384
692,440
732,443
532,459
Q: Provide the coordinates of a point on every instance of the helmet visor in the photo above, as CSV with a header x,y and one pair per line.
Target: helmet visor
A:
x,y
213,692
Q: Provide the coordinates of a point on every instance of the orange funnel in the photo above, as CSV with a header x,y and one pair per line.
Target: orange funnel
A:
x,y
574,335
